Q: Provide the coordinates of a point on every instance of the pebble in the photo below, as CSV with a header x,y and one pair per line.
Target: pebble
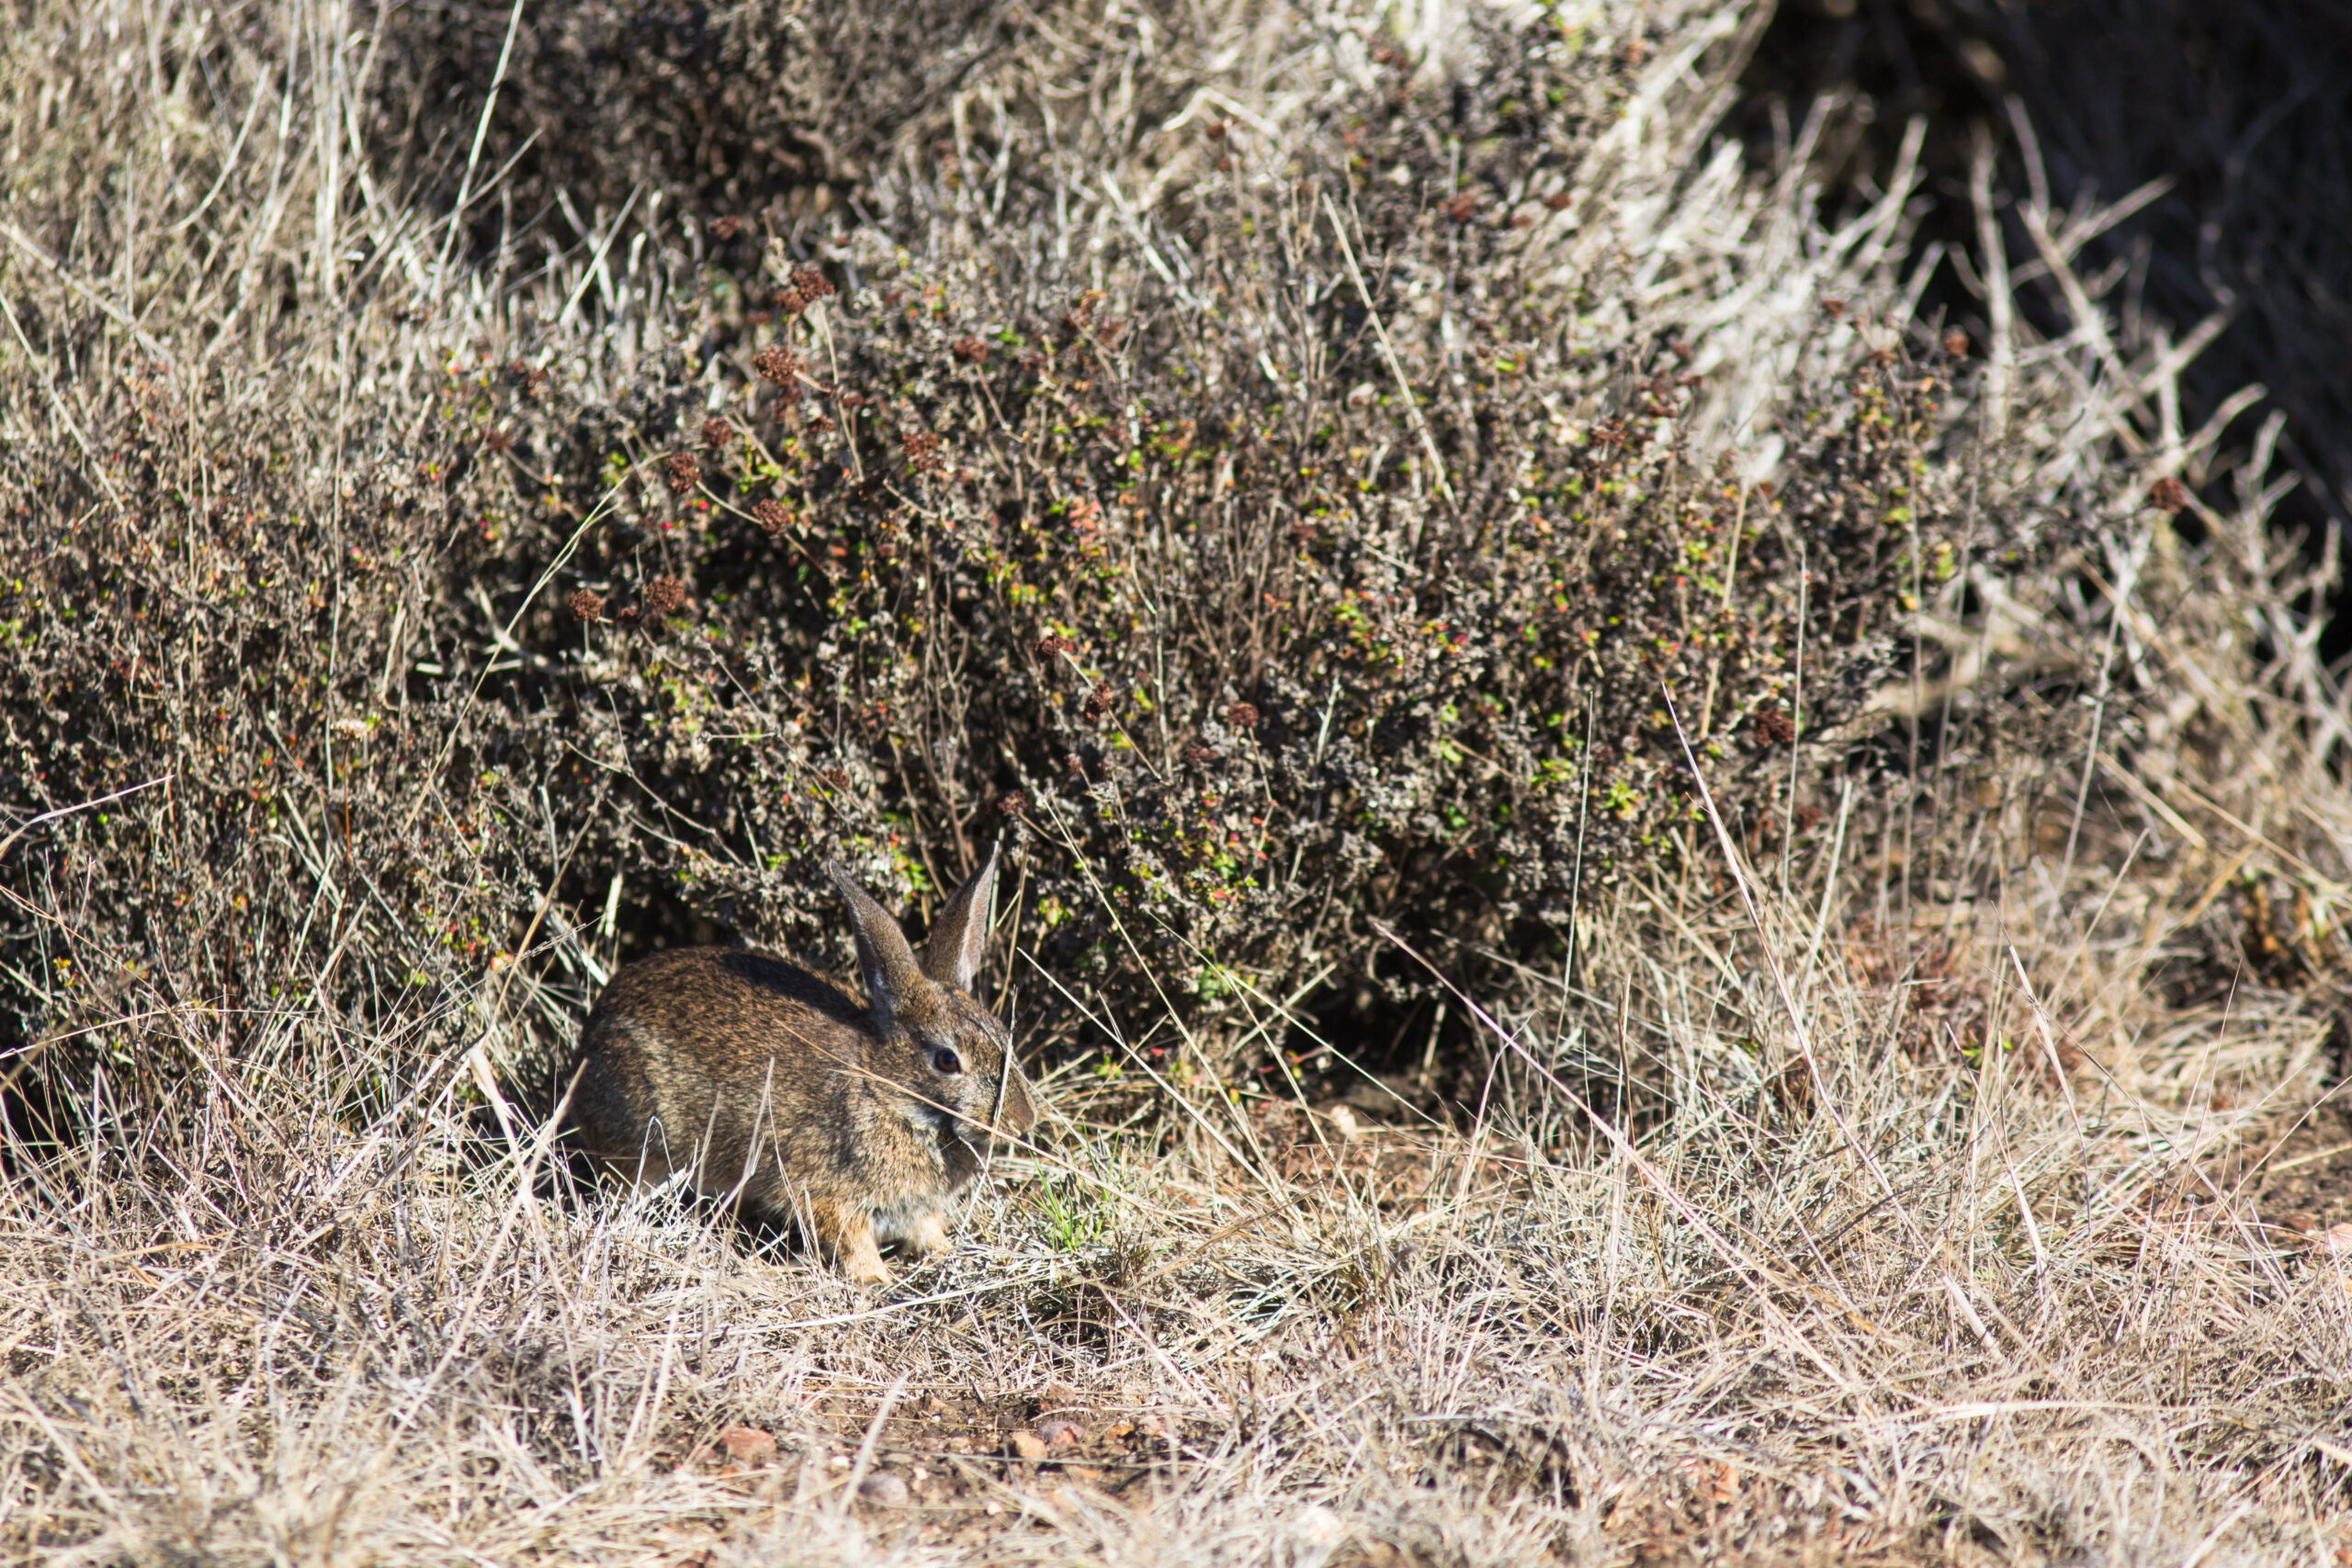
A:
x,y
886,1489
1061,1432
748,1444
1026,1445
1318,1526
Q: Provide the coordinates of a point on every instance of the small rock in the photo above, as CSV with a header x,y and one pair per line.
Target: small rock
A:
x,y
1319,1526
884,1488
1345,1121
747,1445
1061,1432
2336,1239
1026,1445
837,1462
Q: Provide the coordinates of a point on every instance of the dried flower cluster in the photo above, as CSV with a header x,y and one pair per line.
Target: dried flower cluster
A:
x,y
808,285
780,367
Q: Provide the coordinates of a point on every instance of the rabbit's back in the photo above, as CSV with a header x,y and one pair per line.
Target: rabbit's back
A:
x,y
702,1048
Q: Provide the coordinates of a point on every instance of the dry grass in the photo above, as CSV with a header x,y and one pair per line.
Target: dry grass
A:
x,y
1936,1308
1940,1185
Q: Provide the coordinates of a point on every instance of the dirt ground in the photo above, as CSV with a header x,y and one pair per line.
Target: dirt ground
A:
x,y
959,1465
2301,1182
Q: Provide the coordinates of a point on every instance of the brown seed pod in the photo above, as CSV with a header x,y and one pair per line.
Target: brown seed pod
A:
x,y
778,366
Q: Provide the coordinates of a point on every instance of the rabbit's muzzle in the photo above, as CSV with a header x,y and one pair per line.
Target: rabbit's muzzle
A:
x,y
993,1128
973,1126
1002,1117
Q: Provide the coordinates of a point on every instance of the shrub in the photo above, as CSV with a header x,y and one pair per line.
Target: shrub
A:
x,y
977,560
1344,558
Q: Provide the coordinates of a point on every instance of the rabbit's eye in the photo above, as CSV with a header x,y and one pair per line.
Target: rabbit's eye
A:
x,y
946,1062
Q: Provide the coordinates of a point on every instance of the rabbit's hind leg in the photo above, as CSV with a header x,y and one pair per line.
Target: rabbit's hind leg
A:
x,y
845,1232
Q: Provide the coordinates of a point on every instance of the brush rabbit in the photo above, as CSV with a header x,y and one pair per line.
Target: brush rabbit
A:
x,y
765,1082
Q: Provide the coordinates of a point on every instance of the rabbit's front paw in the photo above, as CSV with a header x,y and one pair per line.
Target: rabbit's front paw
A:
x,y
863,1263
848,1235
930,1235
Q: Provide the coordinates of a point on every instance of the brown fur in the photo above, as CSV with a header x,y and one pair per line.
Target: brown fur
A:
x,y
765,1082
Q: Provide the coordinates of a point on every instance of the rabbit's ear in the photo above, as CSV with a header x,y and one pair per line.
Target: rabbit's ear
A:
x,y
958,940
884,959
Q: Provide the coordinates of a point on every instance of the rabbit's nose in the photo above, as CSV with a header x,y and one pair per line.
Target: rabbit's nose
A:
x,y
1004,1132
